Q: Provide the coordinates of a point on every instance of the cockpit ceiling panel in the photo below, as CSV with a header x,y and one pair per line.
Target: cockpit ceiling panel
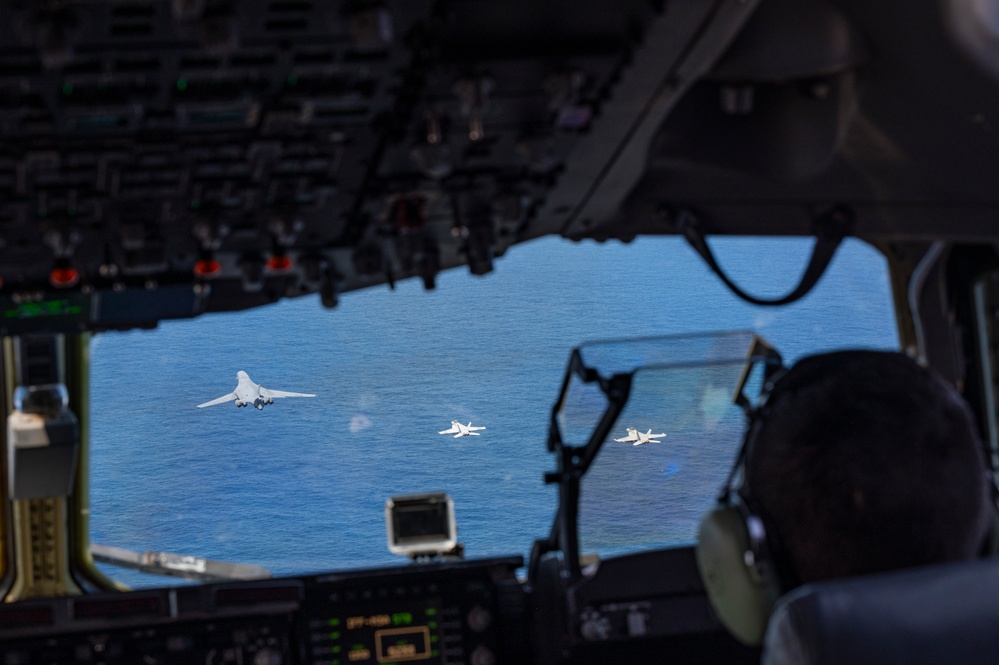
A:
x,y
218,155
903,135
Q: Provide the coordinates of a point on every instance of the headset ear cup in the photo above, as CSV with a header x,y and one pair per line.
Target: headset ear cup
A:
x,y
737,592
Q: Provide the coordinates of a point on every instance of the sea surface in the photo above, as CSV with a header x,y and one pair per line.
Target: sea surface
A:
x,y
301,486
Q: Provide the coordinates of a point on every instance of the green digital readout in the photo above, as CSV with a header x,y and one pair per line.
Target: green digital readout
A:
x,y
67,313
43,308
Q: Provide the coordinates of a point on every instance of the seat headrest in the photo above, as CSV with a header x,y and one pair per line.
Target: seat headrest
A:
x,y
945,613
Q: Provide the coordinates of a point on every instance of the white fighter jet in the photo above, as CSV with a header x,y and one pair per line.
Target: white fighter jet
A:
x,y
461,430
640,437
247,392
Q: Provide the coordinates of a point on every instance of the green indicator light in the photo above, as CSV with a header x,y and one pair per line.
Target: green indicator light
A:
x,y
67,89
434,639
431,611
335,661
402,618
431,624
435,652
292,80
335,635
332,622
337,649
182,84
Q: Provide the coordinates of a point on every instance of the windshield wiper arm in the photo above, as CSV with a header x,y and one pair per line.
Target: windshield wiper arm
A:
x,y
177,565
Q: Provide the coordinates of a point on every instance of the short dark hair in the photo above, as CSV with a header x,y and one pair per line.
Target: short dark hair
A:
x,y
870,463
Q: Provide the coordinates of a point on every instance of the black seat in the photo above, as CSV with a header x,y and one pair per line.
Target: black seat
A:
x,y
946,613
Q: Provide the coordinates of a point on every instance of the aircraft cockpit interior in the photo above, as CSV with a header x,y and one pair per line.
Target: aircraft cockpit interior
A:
x,y
588,235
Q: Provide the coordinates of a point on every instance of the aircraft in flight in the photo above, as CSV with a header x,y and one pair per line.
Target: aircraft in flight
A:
x,y
247,392
461,430
640,437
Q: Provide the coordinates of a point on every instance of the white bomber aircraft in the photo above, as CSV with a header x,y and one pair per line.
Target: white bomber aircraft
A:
x,y
640,437
247,392
461,430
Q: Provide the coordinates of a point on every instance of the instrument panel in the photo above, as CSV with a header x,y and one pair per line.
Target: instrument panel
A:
x,y
447,613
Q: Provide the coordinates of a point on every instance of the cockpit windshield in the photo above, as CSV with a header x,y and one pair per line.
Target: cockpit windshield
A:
x,y
301,485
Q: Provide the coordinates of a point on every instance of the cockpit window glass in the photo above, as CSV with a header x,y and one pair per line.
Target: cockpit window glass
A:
x,y
584,404
661,468
300,486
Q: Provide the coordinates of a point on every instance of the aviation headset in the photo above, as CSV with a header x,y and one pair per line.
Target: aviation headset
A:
x,y
743,565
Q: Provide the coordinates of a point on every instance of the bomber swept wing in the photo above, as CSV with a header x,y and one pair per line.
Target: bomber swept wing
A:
x,y
281,393
225,398
247,392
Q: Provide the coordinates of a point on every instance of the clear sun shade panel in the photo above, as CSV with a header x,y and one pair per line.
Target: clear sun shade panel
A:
x,y
674,442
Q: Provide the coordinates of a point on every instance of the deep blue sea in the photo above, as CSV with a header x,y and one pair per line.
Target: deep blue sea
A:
x,y
301,485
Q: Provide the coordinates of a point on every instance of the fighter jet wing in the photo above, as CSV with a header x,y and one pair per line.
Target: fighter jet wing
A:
x,y
627,438
221,400
449,431
264,392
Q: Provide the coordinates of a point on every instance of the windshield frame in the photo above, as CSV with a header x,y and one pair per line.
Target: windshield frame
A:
x,y
573,462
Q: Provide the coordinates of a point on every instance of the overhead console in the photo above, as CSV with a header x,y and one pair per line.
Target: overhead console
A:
x,y
465,612
183,157
162,159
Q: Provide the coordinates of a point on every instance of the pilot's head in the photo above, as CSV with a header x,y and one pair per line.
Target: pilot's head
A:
x,y
859,462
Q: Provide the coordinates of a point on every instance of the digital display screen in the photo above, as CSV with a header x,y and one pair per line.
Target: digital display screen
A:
x,y
398,636
403,644
33,310
66,314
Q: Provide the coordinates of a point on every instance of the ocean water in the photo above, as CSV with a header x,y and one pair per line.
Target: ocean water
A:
x,y
301,486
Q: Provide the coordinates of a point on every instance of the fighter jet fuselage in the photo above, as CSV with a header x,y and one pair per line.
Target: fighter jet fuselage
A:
x,y
460,430
638,438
